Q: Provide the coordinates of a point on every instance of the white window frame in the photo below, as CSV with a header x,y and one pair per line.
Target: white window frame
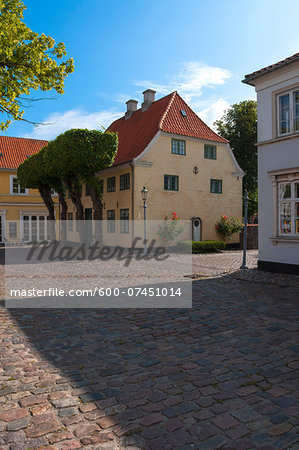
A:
x,y
290,93
292,200
12,177
30,214
283,176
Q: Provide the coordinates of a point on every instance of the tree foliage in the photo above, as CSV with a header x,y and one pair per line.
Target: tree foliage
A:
x,y
76,156
27,61
73,158
239,127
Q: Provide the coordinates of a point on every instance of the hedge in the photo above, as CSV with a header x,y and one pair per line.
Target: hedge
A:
x,y
202,246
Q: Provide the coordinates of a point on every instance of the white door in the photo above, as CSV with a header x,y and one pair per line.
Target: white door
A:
x,y
196,229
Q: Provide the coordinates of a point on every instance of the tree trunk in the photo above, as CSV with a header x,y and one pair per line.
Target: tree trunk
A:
x,y
63,216
76,199
97,214
45,194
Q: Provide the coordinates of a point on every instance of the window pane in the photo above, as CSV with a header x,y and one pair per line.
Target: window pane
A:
x,y
182,148
26,228
33,228
284,114
15,186
296,190
216,186
41,228
111,221
111,184
286,218
12,230
210,152
296,110
285,190
296,218
175,146
124,221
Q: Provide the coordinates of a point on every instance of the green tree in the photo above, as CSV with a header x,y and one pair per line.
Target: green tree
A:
x,y
75,157
27,61
32,174
239,126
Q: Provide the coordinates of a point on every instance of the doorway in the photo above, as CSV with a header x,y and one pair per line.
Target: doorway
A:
x,y
196,229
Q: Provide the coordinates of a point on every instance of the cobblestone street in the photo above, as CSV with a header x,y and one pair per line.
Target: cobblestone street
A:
x,y
220,375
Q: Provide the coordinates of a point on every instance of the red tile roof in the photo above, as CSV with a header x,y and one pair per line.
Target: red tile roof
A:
x,y
258,73
165,114
15,150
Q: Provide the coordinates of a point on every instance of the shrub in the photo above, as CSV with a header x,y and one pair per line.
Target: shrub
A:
x,y
201,246
227,226
170,228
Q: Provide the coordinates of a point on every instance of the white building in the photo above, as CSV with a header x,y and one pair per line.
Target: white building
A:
x,y
277,88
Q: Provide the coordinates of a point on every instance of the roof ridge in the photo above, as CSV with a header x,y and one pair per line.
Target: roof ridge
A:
x,y
18,137
167,109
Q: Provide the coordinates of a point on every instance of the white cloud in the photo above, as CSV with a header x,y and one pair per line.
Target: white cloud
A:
x,y
190,81
57,123
213,112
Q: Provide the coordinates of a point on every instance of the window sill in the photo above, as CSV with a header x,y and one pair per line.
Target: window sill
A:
x,y
284,239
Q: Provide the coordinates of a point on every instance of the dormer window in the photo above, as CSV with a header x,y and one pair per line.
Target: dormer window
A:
x,y
288,112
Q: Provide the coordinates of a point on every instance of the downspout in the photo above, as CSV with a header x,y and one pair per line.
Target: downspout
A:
x,y
132,197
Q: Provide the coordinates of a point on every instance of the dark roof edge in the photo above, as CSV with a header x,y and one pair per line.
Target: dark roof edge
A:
x,y
252,76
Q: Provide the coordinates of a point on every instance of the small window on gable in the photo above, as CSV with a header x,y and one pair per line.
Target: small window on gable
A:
x,y
210,152
178,147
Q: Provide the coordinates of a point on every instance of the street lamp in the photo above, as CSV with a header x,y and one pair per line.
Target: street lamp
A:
x,y
245,232
144,197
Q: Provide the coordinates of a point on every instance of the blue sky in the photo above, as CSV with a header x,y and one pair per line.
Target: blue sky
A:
x,y
200,48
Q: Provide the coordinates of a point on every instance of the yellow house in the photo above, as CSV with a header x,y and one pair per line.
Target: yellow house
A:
x,y
186,167
23,215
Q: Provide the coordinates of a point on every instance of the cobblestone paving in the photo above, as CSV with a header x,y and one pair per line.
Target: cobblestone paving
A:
x,y
220,375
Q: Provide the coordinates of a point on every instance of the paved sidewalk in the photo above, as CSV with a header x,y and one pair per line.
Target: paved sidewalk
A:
x,y
220,375
212,264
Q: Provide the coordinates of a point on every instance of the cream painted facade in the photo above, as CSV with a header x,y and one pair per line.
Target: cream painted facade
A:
x,y
193,198
23,216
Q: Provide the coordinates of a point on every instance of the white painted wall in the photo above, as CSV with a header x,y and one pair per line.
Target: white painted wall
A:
x,y
281,154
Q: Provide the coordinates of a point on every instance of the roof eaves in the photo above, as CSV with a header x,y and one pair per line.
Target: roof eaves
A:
x,y
252,76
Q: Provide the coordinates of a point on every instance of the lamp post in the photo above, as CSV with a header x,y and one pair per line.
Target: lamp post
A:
x,y
245,232
144,197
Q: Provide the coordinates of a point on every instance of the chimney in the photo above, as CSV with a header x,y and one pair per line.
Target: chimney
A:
x,y
148,99
131,108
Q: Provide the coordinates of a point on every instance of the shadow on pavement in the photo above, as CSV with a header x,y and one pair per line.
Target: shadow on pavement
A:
x,y
157,378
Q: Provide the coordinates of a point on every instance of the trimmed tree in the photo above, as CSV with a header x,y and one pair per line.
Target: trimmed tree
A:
x,y
32,174
75,157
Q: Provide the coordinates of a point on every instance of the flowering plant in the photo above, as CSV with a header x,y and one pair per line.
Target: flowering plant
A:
x,y
170,228
227,226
